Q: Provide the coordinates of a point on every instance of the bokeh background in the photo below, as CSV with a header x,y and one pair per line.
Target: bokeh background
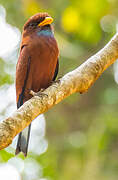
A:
x,y
78,138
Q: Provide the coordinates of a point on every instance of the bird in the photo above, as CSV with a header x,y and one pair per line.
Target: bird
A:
x,y
37,66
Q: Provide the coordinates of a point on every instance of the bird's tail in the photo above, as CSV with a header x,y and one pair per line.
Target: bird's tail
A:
x,y
23,140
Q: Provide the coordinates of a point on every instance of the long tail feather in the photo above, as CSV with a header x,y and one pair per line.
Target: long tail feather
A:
x,y
23,141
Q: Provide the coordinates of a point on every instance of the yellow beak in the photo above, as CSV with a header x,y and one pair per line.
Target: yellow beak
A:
x,y
46,21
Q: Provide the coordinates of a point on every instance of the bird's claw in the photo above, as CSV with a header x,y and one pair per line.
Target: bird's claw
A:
x,y
54,82
41,90
57,81
32,93
40,93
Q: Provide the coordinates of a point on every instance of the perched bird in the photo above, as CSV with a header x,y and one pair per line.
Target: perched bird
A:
x,y
37,65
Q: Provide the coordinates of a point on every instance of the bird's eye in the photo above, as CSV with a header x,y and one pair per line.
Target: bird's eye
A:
x,y
31,24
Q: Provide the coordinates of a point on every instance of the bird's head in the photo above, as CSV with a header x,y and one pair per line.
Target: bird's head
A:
x,y
38,21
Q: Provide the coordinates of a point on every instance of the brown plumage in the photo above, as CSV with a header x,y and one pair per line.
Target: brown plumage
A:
x,y
37,64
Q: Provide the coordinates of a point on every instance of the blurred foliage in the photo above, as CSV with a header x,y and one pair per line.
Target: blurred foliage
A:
x,y
82,130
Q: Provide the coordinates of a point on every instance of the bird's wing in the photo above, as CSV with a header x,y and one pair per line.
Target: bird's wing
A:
x,y
22,73
22,76
56,70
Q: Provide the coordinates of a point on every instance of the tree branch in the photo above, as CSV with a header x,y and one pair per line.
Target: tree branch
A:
x,y
78,80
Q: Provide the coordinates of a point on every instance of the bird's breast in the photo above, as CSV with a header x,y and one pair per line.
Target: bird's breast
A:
x,y
44,54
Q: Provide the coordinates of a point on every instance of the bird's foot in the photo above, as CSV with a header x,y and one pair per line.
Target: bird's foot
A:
x,y
42,89
54,82
40,93
57,81
32,93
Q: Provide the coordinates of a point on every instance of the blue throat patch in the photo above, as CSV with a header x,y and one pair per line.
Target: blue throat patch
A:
x,y
45,33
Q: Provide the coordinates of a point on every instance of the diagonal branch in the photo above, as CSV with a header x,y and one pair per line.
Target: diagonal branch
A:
x,y
78,80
